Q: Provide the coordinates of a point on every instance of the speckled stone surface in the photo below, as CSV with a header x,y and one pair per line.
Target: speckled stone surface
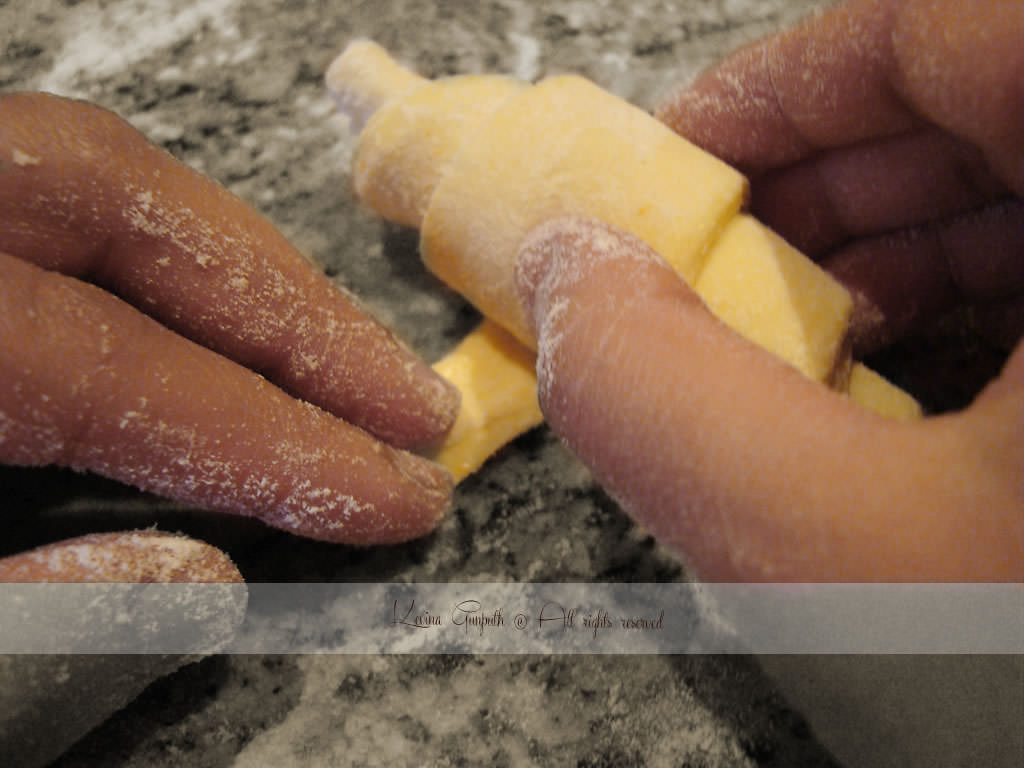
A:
x,y
235,89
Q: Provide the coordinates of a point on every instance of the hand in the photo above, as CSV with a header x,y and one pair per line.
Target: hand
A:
x,y
885,138
89,381
139,305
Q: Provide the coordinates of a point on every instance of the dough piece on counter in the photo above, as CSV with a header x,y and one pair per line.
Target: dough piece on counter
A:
x,y
497,377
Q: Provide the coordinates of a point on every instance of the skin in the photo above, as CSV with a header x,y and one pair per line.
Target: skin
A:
x,y
157,330
912,122
660,399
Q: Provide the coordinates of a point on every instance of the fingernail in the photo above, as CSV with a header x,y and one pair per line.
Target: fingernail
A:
x,y
535,254
541,259
438,405
431,477
444,397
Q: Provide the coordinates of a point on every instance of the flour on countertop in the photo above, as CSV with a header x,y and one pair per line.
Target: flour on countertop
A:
x,y
108,40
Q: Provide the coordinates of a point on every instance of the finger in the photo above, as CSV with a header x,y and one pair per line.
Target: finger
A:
x,y
959,63
83,193
864,70
823,83
49,698
1001,322
86,381
134,556
728,456
902,280
873,188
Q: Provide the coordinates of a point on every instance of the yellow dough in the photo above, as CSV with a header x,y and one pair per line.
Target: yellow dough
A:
x,y
408,144
477,162
875,392
496,375
778,298
566,147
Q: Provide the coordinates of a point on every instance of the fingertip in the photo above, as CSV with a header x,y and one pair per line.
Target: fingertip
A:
x,y
320,478
564,252
594,295
130,556
434,404
375,381
411,498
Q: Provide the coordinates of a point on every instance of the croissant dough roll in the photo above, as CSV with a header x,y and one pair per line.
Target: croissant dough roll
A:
x,y
477,162
565,147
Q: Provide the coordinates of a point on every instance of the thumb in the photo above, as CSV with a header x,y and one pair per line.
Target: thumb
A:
x,y
725,454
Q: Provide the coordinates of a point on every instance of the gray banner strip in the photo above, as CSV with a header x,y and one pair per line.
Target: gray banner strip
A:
x,y
512,618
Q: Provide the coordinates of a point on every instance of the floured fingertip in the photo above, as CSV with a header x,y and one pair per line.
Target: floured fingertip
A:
x,y
132,556
379,496
563,251
554,262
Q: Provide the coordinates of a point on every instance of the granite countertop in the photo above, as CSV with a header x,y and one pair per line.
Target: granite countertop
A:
x,y
235,90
